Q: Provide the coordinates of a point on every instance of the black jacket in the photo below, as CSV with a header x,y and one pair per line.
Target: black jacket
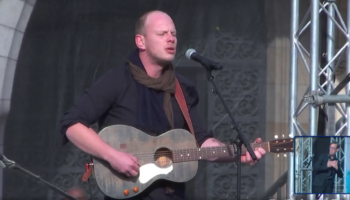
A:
x,y
321,170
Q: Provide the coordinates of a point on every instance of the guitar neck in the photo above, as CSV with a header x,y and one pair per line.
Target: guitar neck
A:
x,y
194,154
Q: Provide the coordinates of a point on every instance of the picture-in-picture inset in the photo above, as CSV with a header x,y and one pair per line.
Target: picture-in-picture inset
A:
x,y
320,165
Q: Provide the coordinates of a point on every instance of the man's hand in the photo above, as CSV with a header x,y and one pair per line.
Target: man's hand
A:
x,y
334,164
212,142
124,163
258,151
329,164
90,142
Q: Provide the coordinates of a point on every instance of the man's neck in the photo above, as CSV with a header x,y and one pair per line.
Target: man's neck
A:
x,y
153,70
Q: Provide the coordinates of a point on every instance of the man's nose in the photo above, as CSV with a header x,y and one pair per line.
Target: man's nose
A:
x,y
171,38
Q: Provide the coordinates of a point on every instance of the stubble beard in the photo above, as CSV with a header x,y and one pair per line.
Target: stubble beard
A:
x,y
159,61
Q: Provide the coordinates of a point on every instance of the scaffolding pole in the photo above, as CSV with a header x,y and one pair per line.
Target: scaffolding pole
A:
x,y
330,109
346,161
314,49
348,65
293,93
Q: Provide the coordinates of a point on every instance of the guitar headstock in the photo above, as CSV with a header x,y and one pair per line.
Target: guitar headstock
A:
x,y
281,145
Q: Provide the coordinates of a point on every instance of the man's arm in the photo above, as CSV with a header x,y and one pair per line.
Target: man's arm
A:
x,y
321,164
88,141
338,169
87,110
259,152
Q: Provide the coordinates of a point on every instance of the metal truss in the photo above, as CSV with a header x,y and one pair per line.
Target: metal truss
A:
x,y
303,172
322,96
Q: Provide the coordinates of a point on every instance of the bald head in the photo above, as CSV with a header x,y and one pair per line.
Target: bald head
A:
x,y
156,38
148,18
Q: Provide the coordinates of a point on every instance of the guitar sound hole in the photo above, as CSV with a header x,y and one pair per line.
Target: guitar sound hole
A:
x,y
163,157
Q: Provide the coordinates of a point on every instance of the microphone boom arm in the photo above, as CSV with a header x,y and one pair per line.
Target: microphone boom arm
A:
x,y
4,162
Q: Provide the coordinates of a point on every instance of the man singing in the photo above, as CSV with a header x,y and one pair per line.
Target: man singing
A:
x,y
141,94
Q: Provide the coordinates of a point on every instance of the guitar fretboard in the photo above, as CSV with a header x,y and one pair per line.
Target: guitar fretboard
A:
x,y
194,154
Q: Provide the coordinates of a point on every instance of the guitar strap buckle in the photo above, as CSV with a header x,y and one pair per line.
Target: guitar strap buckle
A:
x,y
88,171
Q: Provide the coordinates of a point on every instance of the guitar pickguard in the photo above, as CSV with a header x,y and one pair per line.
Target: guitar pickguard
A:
x,y
148,171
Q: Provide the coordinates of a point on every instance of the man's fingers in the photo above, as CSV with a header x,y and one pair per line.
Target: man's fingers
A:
x,y
243,159
261,151
133,158
258,155
134,173
135,167
248,157
131,173
258,140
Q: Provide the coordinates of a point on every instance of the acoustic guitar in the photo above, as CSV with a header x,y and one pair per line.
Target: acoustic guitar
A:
x,y
173,156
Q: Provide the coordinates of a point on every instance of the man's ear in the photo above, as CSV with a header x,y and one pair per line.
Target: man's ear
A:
x,y
140,41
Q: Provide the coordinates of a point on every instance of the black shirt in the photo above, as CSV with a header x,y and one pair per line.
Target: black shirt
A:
x,y
331,170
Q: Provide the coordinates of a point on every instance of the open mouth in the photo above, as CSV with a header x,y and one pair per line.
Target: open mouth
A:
x,y
170,50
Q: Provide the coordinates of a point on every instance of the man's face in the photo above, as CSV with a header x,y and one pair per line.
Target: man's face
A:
x,y
160,38
333,149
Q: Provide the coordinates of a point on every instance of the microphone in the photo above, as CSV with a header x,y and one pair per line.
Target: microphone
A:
x,y
191,54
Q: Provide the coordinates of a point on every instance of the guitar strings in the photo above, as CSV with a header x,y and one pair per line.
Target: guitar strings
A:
x,y
254,145
204,148
177,152
200,149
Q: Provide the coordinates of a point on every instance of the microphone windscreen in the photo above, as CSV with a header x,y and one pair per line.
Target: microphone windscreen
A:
x,y
189,52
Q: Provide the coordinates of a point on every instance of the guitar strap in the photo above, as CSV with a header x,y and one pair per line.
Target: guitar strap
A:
x,y
180,98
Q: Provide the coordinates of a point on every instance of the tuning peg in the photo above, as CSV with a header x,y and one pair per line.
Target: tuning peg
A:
x,y
282,135
276,136
285,155
278,155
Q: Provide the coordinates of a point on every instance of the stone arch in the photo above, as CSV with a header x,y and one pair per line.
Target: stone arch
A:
x,y
14,16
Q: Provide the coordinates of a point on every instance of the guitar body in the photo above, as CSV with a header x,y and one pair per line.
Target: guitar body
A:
x,y
154,156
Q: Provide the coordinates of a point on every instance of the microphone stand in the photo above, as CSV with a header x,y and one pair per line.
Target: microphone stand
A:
x,y
240,139
4,162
